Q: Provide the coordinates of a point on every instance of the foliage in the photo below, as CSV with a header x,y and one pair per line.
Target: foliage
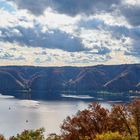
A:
x,y
30,135
134,109
2,137
109,136
96,120
54,137
120,119
113,136
88,122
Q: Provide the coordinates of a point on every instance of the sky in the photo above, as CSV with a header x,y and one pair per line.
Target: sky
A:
x,y
69,32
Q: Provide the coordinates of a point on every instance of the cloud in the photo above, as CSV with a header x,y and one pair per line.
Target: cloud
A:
x,y
124,34
34,37
69,32
132,14
9,56
87,58
127,38
93,23
103,50
87,7
69,7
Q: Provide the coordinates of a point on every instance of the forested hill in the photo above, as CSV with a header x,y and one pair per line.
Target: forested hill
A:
x,y
101,77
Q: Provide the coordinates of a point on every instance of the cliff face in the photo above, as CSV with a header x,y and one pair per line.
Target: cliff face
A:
x,y
113,78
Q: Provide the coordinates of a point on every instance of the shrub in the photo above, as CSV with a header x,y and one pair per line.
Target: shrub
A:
x,y
113,136
54,137
109,136
30,135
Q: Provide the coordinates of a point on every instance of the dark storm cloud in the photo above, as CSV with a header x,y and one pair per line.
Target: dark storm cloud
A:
x,y
73,7
34,37
36,7
70,7
87,7
132,14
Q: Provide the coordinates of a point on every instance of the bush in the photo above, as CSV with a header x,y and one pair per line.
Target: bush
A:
x,y
30,135
109,136
53,137
113,136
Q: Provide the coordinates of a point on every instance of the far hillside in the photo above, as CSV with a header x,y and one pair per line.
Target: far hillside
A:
x,y
116,78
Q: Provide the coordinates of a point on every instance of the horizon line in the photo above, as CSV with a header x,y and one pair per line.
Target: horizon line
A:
x,y
69,65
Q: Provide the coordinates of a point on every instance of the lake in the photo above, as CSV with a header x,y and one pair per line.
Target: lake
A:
x,y
17,115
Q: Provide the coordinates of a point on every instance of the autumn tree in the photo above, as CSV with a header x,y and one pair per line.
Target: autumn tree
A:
x,y
88,122
2,137
97,120
120,119
134,109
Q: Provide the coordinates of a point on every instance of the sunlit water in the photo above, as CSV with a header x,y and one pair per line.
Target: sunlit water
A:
x,y
17,115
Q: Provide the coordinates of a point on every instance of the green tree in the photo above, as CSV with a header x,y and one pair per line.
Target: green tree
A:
x,y
54,137
30,135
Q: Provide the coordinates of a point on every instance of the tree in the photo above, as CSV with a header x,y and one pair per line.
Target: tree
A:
x,y
30,135
88,122
113,136
98,120
2,137
120,119
134,109
54,137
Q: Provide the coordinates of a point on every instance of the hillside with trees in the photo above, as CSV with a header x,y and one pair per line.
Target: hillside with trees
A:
x,y
118,78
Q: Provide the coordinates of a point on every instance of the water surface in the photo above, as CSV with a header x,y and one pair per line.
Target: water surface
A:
x,y
17,115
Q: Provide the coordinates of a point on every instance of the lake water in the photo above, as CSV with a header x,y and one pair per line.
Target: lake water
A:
x,y
17,115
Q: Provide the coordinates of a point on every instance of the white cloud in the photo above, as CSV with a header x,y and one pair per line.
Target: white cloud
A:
x,y
131,2
100,38
7,18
